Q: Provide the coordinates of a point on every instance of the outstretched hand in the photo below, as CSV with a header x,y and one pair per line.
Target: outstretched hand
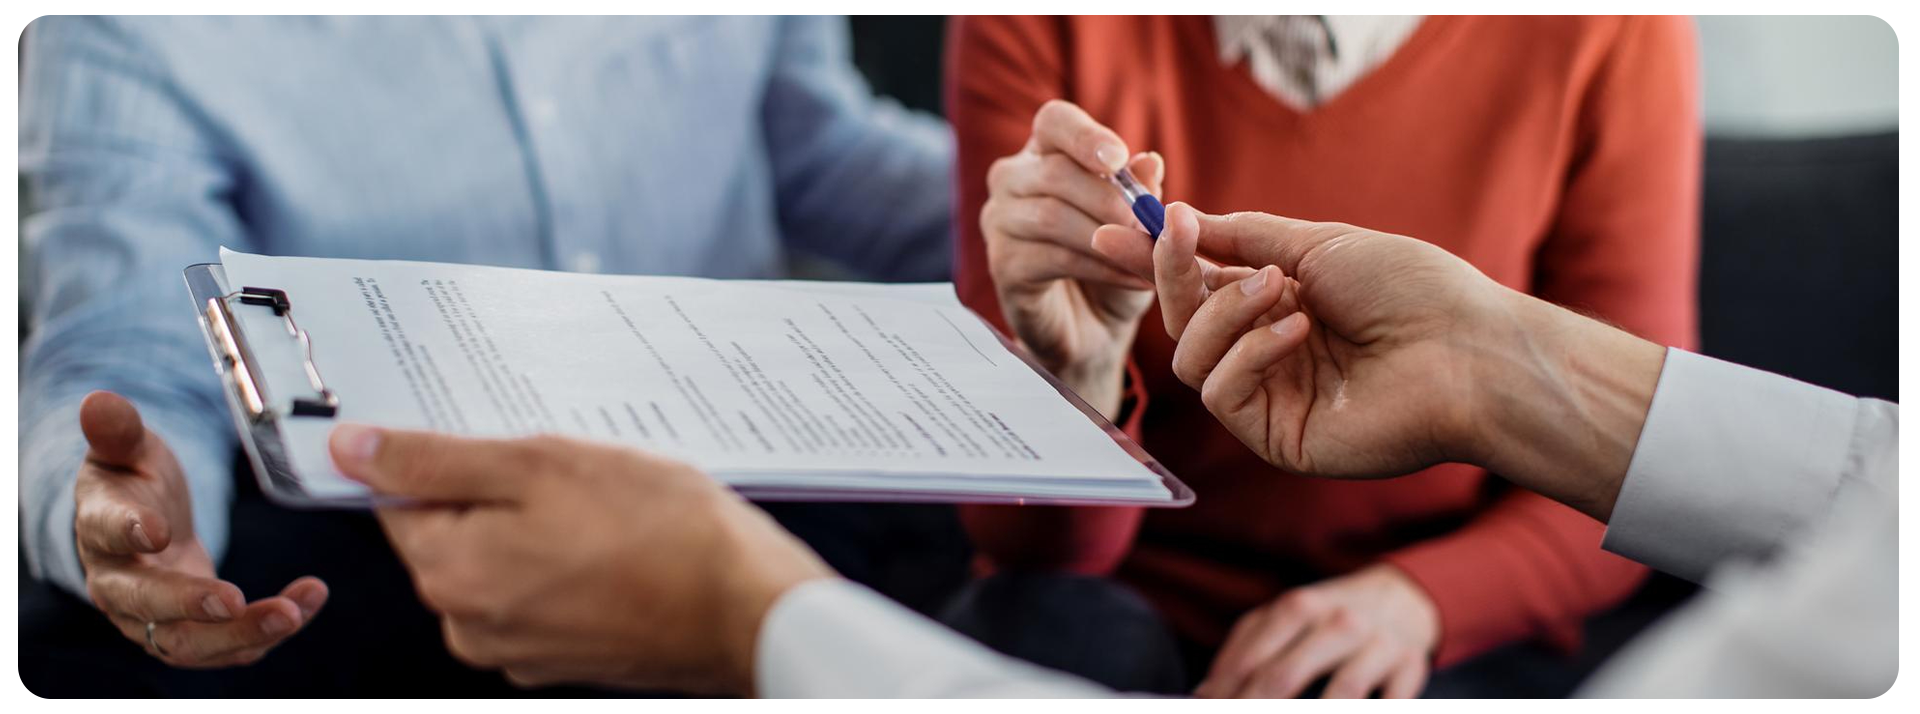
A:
x,y
1353,353
1341,356
145,566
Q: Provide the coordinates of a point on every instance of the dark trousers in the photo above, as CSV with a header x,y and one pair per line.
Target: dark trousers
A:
x,y
1092,627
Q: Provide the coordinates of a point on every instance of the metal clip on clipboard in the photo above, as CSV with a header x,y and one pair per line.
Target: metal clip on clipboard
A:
x,y
240,365
250,384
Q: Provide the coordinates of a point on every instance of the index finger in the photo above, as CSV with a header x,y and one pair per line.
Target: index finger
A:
x,y
1132,250
147,593
1062,127
432,466
1250,238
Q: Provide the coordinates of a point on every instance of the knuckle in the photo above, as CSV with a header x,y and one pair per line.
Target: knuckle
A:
x,y
1001,172
995,220
1343,620
465,647
1052,110
1298,604
90,517
439,597
1057,170
999,260
100,593
1303,600
1213,396
422,548
530,453
1044,217
1184,367
462,593
137,596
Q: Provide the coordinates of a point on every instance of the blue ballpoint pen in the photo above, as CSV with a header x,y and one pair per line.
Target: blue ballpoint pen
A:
x,y
1146,207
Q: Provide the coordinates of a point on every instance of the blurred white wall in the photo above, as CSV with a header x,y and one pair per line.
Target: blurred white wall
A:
x,y
1799,75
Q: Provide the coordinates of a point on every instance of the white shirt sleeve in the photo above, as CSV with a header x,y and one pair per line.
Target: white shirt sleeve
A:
x,y
1817,621
1734,462
1736,467
833,638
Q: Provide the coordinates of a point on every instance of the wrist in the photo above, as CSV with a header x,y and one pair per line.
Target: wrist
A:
x,y
763,564
1100,383
1565,397
1419,615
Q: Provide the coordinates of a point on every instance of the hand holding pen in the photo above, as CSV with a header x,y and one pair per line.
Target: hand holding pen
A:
x,y
1076,309
1073,308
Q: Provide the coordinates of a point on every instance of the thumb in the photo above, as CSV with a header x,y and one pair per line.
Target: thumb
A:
x,y
113,428
431,466
1259,239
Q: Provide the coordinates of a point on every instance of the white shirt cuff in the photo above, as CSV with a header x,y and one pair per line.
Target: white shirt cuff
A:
x,y
1731,462
833,638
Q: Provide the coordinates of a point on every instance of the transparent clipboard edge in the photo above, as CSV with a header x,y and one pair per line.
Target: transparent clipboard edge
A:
x,y
260,440
1179,496
266,453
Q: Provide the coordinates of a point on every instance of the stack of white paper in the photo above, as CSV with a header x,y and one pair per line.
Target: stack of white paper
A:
x,y
774,387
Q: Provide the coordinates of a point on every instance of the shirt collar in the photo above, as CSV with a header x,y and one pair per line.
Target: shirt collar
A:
x,y
1236,36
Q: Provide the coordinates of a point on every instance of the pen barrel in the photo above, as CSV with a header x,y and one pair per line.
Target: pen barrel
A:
x,y
1152,215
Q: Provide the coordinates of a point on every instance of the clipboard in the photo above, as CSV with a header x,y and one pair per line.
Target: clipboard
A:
x,y
261,411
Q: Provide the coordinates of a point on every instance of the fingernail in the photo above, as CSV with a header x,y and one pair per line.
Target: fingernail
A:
x,y
214,607
1289,323
358,442
140,536
1111,156
276,624
1254,283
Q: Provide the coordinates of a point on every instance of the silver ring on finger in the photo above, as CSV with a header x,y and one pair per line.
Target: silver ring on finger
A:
x,y
153,644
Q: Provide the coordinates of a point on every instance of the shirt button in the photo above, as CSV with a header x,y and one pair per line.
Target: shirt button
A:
x,y
586,263
543,110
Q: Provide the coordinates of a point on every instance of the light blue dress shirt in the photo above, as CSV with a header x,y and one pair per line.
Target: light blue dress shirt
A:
x,y
692,146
